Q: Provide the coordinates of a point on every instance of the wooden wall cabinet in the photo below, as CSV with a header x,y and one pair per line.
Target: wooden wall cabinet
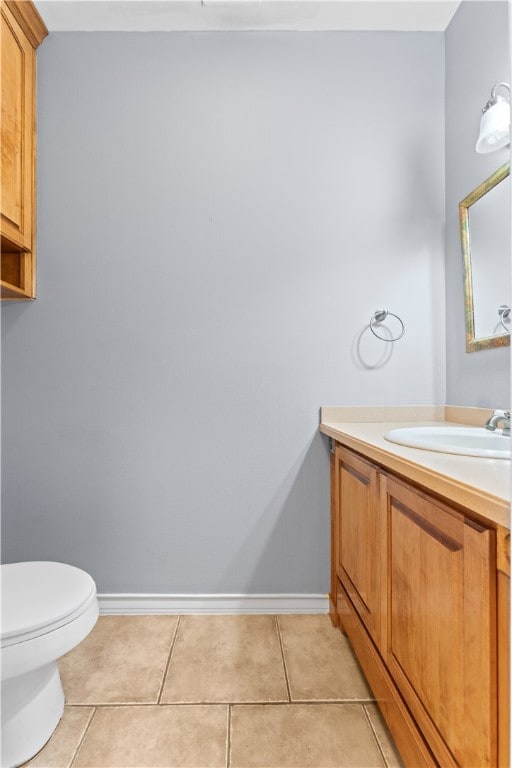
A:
x,y
22,30
425,603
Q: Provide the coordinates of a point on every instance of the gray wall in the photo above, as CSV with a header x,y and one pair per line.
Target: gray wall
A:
x,y
219,216
477,57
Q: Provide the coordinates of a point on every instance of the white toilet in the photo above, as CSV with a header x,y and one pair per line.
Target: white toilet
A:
x,y
47,609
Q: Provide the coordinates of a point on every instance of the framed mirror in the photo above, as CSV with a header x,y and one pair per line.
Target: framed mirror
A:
x,y
486,242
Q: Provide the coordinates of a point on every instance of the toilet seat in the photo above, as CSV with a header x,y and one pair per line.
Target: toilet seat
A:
x,y
40,597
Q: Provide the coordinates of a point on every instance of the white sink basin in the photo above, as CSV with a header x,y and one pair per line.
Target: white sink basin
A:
x,y
465,441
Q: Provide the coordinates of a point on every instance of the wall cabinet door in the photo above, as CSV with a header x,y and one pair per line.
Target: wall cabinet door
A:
x,y
22,30
440,644
17,132
357,535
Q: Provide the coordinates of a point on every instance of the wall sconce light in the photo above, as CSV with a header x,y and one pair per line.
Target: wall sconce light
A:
x,y
495,122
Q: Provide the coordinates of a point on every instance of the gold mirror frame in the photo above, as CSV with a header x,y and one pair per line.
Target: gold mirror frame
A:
x,y
488,342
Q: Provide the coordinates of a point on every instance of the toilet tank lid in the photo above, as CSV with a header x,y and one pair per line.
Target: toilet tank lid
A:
x,y
38,594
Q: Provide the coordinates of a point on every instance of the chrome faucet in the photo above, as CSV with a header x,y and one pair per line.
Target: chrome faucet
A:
x,y
499,417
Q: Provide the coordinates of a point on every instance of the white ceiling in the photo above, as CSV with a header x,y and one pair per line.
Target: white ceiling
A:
x,y
240,15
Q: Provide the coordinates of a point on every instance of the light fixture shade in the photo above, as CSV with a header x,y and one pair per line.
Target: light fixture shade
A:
x,y
494,127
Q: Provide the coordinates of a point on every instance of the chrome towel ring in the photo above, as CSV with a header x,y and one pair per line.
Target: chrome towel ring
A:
x,y
378,317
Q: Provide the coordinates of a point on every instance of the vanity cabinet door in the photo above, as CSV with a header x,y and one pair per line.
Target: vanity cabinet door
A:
x,y
440,644
357,539
503,626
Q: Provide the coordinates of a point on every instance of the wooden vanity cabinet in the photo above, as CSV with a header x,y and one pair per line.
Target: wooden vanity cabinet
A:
x,y
21,32
420,607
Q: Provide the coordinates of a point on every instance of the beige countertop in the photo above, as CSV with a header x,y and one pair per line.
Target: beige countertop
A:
x,y
481,485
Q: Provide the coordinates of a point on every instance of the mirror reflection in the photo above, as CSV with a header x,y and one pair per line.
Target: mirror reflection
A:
x,y
485,237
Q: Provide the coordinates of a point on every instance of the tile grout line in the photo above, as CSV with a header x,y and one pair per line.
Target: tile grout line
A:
x,y
166,670
228,745
282,656
375,736
362,702
247,703
81,741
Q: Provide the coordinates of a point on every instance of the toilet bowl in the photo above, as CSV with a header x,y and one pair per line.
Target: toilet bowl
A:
x,y
47,609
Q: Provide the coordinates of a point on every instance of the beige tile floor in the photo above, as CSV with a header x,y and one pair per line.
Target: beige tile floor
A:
x,y
216,692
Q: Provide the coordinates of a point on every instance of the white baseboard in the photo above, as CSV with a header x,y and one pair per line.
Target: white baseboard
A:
x,y
132,604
